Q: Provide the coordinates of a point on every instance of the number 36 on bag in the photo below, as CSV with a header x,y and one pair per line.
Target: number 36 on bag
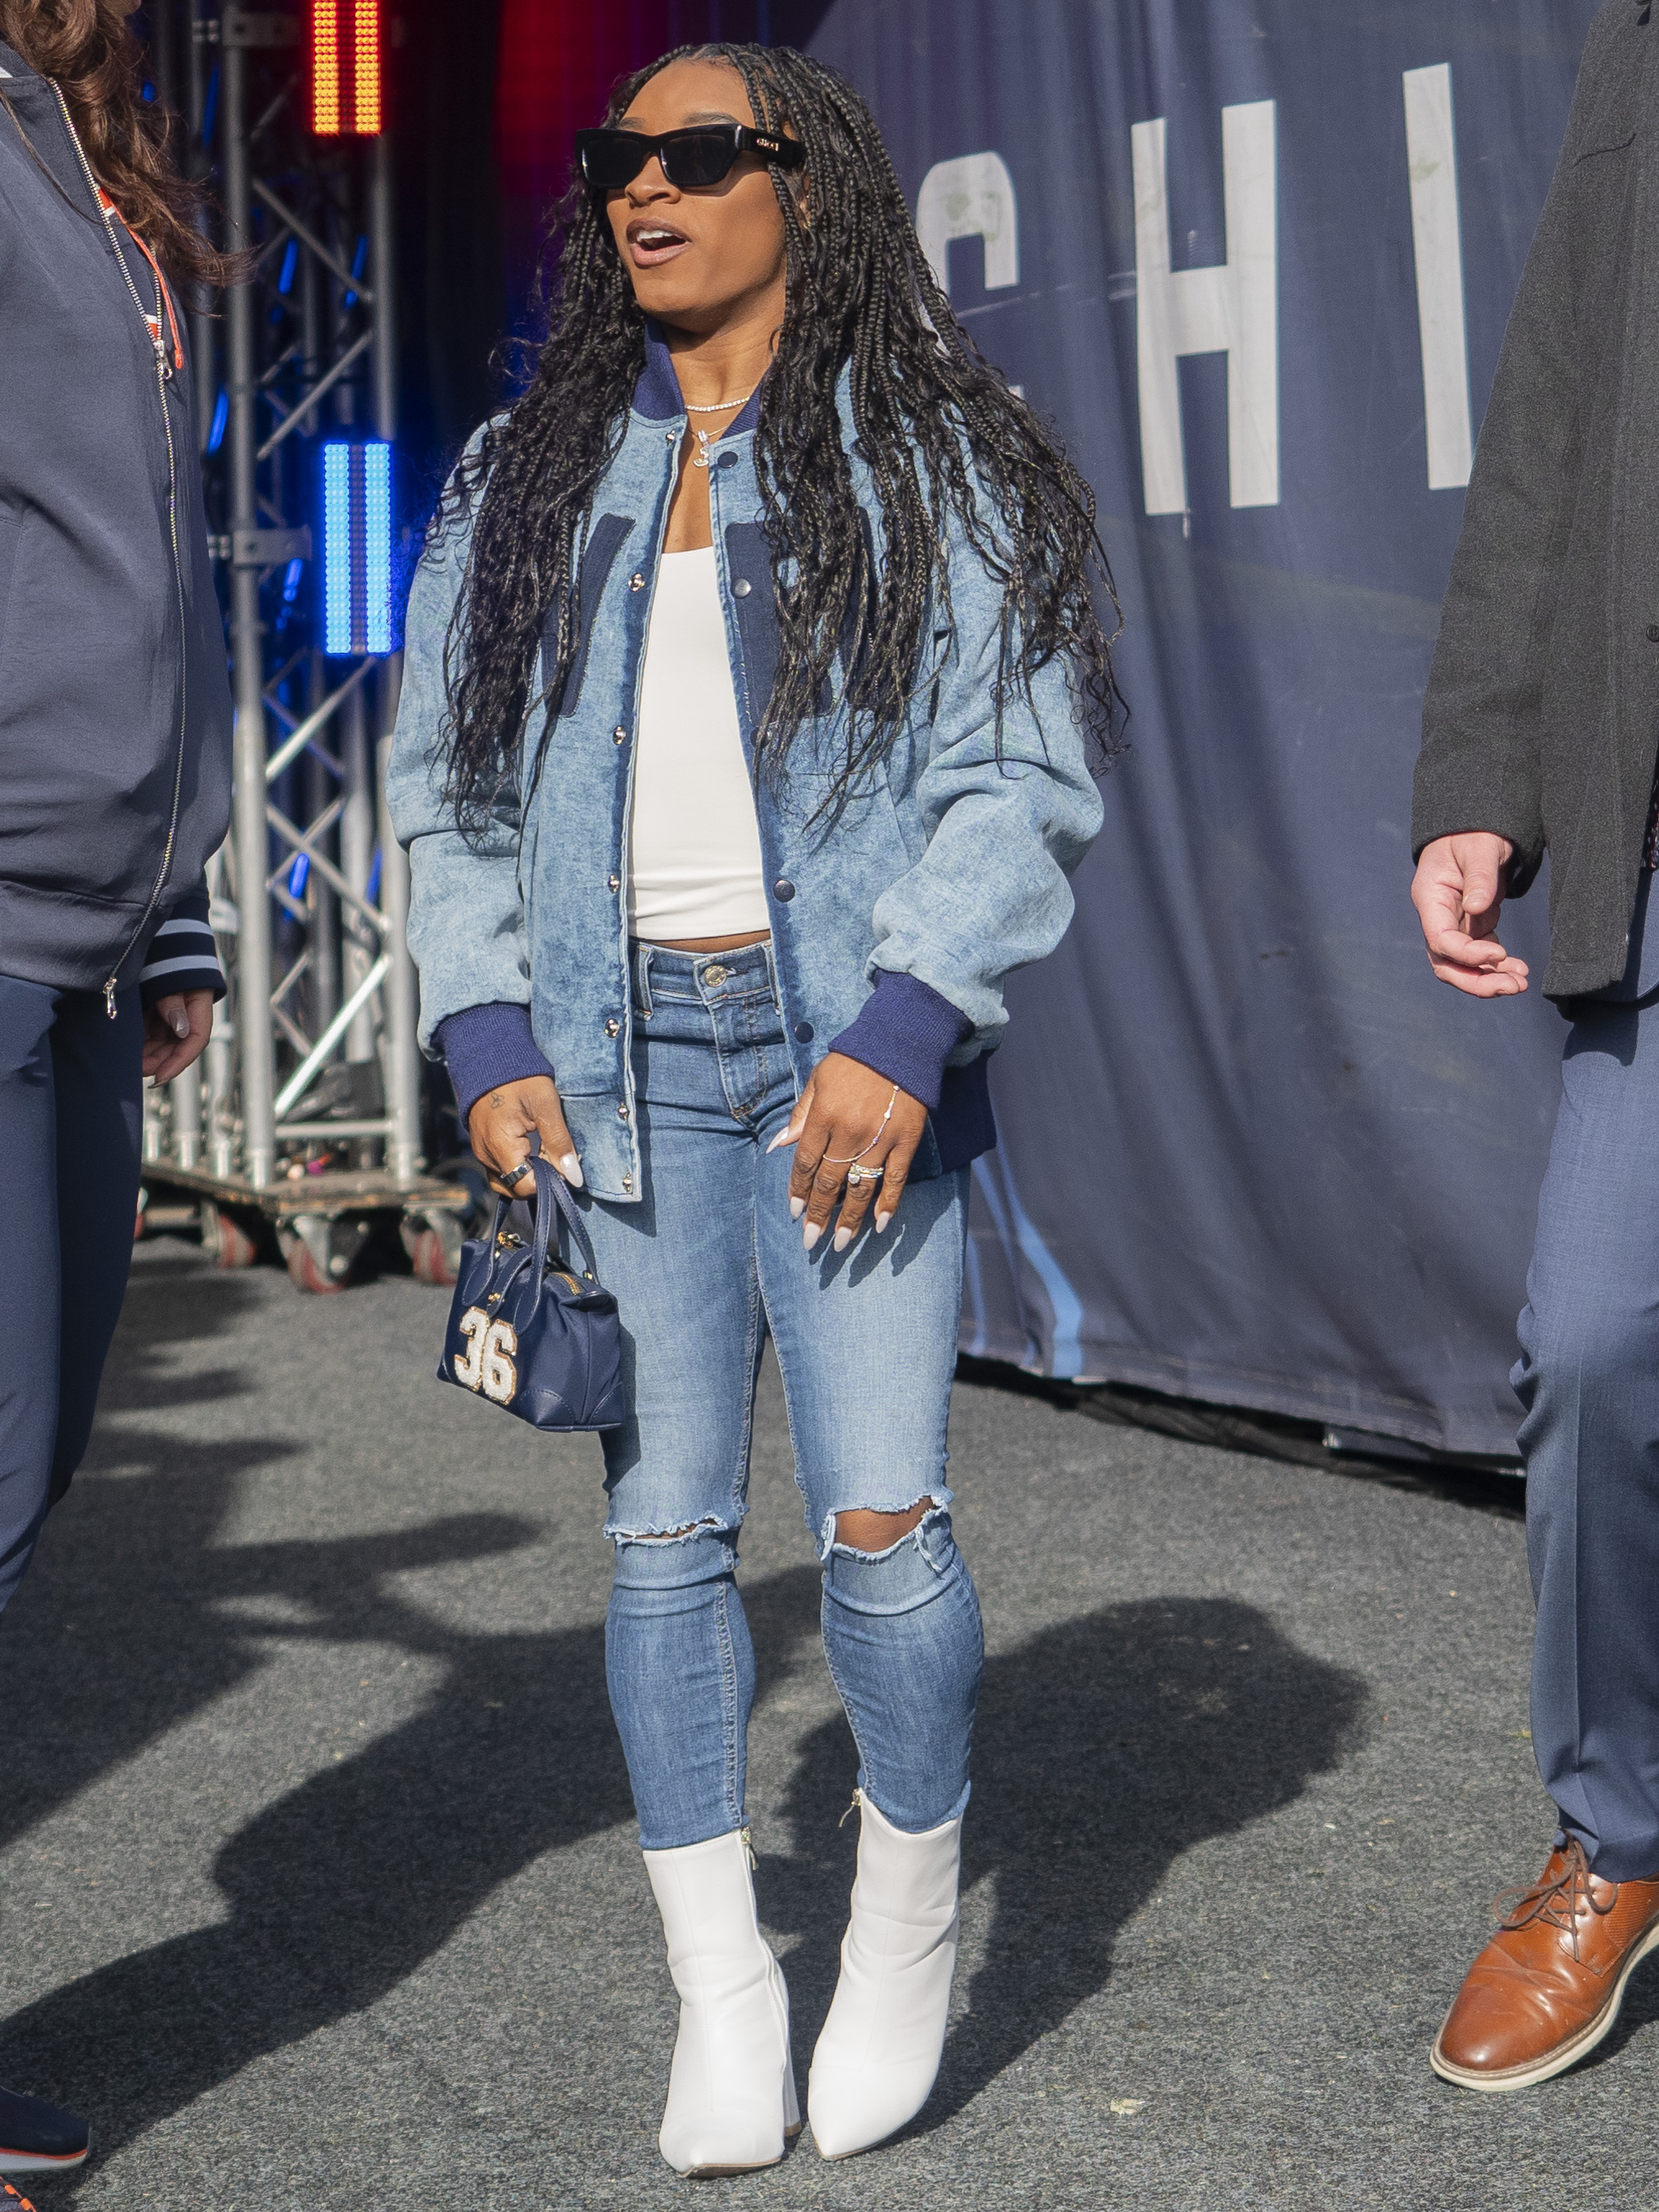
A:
x,y
487,1364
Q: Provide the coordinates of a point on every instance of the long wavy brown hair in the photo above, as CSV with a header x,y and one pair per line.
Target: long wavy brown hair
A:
x,y
87,47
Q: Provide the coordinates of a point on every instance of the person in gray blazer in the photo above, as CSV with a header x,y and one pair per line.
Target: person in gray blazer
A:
x,y
1539,732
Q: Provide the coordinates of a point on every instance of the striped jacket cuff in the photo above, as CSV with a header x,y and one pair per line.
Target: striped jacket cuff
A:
x,y
182,955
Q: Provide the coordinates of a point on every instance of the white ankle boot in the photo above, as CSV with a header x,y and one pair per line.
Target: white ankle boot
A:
x,y
731,2089
879,2052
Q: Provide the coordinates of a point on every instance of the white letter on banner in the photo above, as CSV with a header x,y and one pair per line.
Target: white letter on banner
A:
x,y
1231,308
1432,161
972,196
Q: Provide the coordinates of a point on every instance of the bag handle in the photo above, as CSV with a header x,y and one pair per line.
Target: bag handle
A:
x,y
550,1196
549,1184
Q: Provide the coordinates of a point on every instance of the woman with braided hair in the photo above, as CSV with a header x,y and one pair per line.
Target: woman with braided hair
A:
x,y
753,671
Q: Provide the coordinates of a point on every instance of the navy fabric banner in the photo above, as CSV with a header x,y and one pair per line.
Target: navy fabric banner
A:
x,y
1255,258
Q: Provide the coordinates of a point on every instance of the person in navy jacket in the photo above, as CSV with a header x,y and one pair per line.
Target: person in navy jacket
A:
x,y
115,724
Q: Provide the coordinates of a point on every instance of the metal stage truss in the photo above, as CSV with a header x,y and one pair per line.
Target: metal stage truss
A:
x,y
304,1115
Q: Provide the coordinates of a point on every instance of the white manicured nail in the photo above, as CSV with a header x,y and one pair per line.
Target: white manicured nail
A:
x,y
783,1138
810,1234
882,1221
571,1168
843,1238
797,1207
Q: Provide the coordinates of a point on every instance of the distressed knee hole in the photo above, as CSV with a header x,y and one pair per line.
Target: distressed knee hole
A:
x,y
861,1528
710,1525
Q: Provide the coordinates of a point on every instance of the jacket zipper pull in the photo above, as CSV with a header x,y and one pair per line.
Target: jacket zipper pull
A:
x,y
109,998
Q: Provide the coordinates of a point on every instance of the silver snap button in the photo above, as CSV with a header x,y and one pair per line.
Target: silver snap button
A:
x,y
636,582
619,735
740,589
613,1025
614,883
628,1182
622,1113
716,975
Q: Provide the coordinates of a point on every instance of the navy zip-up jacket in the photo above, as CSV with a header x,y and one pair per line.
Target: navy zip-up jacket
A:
x,y
115,712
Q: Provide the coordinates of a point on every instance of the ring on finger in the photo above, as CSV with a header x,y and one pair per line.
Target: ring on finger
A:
x,y
510,1176
857,1173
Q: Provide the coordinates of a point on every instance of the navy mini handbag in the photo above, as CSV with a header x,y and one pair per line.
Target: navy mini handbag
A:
x,y
529,1332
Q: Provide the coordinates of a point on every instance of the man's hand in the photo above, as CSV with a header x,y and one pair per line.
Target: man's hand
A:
x,y
835,1117
175,1029
1458,892
502,1122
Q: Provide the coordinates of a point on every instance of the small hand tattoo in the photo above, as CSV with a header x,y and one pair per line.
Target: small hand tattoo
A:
x,y
496,1099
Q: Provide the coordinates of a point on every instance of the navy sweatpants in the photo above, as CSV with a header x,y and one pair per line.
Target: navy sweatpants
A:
x,y
70,1130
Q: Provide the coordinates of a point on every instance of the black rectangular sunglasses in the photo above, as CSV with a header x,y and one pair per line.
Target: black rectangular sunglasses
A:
x,y
704,155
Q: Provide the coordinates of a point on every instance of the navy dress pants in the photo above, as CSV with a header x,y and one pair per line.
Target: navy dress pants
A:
x,y
1589,1378
70,1130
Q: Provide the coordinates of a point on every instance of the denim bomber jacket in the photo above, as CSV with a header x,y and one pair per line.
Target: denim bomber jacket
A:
x,y
894,920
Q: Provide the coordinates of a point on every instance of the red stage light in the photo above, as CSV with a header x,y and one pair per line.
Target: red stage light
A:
x,y
345,69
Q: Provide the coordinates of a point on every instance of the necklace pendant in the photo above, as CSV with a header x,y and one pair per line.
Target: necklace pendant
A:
x,y
700,458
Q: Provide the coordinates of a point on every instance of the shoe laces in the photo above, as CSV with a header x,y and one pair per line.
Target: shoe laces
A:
x,y
1554,1901
13,2199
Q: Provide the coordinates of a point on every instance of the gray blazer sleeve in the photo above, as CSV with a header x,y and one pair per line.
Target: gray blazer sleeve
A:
x,y
1480,763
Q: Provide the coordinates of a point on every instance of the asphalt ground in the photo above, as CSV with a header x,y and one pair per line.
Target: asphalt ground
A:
x,y
318,1884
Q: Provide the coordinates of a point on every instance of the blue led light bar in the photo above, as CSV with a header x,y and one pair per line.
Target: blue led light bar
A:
x,y
356,547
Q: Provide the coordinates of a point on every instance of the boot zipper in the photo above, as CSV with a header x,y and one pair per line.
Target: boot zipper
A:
x,y
163,375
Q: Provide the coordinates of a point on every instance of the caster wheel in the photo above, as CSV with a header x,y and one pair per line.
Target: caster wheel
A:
x,y
434,1256
320,1254
227,1240
305,1274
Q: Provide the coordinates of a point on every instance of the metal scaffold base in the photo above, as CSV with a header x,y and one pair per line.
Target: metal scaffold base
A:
x,y
322,1224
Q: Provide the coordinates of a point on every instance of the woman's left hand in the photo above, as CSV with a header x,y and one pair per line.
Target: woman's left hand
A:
x,y
175,1029
834,1117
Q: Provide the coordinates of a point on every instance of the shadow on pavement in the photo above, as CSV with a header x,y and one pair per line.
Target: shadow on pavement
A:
x,y
1105,1747
343,1886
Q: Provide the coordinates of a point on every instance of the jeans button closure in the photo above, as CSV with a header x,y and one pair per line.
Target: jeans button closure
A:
x,y
714,975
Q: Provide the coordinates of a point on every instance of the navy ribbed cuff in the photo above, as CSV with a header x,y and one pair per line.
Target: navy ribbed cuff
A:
x,y
182,955
906,1031
485,1047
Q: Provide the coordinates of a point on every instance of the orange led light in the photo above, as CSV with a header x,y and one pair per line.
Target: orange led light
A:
x,y
367,83
325,70
346,95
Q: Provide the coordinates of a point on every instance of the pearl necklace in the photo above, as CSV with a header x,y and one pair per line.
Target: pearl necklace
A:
x,y
700,458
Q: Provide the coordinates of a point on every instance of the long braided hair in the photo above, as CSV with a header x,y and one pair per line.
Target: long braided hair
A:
x,y
939,430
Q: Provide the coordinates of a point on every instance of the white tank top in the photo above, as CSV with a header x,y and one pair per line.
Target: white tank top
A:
x,y
694,846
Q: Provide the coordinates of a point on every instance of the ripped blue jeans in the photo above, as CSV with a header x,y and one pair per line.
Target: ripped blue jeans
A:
x,y
703,1266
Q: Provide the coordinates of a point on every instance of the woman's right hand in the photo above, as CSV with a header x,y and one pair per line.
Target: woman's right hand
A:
x,y
502,1122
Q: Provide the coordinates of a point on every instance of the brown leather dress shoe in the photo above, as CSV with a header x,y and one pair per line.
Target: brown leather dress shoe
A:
x,y
1548,1986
